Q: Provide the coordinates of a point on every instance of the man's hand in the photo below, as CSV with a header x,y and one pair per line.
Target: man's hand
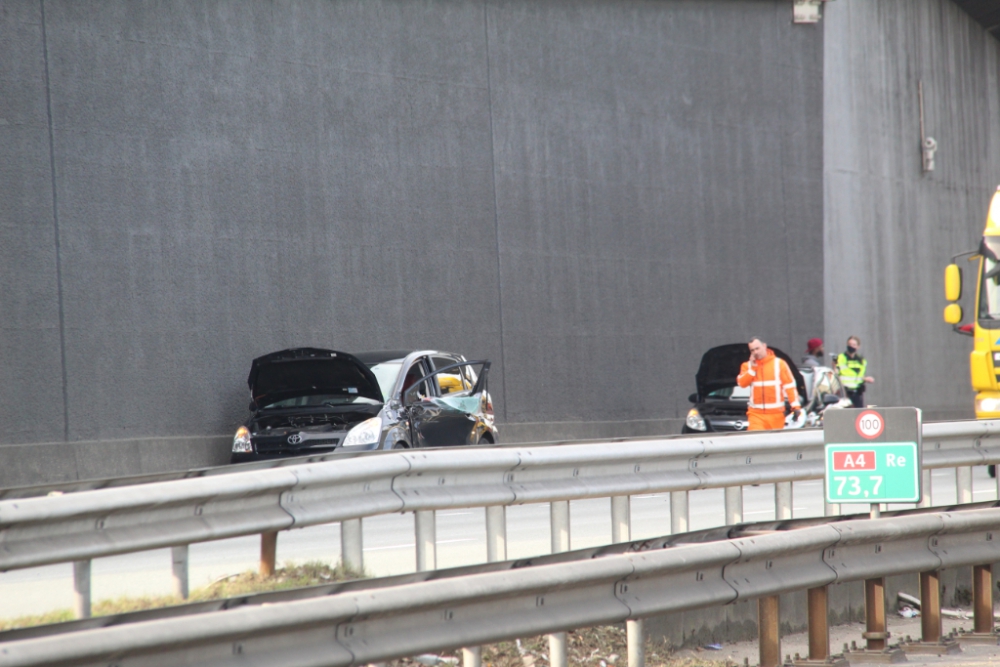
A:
x,y
869,379
796,414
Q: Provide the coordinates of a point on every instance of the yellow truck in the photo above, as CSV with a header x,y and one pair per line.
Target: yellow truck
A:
x,y
984,362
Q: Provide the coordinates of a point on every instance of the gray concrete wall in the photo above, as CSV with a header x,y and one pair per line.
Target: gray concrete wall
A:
x,y
890,228
589,193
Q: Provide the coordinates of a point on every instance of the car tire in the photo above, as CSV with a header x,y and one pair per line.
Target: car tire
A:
x,y
401,445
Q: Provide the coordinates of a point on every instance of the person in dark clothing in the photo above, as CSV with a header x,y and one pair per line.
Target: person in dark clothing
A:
x,y
814,353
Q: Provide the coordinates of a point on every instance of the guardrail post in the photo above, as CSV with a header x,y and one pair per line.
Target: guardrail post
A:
x,y
472,657
81,589
426,534
635,636
678,512
268,552
930,607
782,500
496,533
982,599
963,484
831,509
925,493
734,505
768,631
559,520
817,603
179,570
875,633
557,650
621,519
351,551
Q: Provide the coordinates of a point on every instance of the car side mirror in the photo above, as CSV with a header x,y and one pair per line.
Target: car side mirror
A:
x,y
693,398
830,399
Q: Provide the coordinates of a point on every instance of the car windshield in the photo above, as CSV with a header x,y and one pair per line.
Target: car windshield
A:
x,y
320,400
386,373
736,393
989,290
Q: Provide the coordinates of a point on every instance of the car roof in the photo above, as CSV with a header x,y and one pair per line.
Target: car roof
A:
x,y
379,356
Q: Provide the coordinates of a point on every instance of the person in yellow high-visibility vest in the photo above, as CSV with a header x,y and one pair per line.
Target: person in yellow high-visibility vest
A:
x,y
771,384
852,369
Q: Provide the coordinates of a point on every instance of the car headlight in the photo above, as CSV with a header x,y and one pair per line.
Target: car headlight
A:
x,y
241,441
694,420
987,405
365,433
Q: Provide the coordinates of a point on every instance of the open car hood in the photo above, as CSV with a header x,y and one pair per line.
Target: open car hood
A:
x,y
720,366
308,371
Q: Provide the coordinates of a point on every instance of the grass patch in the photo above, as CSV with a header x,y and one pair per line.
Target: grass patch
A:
x,y
289,575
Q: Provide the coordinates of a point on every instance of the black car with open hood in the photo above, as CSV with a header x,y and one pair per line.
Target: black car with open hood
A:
x,y
308,373
311,401
720,403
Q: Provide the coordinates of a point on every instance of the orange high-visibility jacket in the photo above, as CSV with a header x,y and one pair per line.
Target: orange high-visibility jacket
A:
x,y
771,382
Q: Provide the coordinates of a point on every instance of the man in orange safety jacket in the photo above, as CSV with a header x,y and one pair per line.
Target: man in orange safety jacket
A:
x,y
771,384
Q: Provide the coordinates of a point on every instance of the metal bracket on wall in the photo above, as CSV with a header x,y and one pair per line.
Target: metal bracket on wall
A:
x,y
806,11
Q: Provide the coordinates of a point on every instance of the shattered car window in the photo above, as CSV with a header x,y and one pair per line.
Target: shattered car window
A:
x,y
386,374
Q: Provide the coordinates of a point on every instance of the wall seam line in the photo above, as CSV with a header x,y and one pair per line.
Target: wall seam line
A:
x,y
55,225
496,206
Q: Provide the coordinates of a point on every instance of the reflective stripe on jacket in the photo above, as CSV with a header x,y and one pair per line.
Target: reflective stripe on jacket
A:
x,y
771,383
851,371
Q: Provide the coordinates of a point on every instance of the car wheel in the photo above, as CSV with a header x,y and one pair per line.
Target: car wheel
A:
x,y
401,445
484,440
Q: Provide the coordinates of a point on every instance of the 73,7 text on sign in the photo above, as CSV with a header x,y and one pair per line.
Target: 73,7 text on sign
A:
x,y
872,473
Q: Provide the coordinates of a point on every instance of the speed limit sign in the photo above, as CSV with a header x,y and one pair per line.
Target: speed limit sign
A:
x,y
869,424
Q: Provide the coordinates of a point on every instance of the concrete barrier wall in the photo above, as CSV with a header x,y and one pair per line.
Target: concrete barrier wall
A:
x,y
890,227
589,194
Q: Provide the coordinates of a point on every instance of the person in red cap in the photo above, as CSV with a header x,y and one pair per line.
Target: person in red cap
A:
x,y
814,356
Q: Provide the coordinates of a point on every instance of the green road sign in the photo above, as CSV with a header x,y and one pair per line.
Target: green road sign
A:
x,y
873,473
872,455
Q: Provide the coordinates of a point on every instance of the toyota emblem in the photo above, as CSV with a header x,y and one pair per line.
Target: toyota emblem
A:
x,y
740,426
294,439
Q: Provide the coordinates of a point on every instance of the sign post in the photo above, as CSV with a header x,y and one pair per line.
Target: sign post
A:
x,y
873,455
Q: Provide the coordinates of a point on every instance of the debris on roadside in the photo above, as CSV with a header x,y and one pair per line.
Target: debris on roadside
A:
x,y
587,647
913,603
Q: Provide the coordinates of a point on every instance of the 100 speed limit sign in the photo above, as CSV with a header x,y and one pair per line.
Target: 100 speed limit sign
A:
x,y
869,424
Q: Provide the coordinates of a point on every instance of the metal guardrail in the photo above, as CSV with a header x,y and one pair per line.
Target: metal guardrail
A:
x,y
89,524
373,623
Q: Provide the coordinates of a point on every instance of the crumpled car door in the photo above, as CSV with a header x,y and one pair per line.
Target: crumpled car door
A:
x,y
455,418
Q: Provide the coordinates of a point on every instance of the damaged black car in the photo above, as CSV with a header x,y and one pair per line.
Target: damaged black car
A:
x,y
308,401
721,404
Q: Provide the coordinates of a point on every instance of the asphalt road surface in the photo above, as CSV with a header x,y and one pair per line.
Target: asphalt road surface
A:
x,y
389,542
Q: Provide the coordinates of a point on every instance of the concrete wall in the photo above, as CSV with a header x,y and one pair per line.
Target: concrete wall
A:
x,y
889,227
589,193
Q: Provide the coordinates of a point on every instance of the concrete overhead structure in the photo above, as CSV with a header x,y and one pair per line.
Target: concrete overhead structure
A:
x,y
890,227
589,194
